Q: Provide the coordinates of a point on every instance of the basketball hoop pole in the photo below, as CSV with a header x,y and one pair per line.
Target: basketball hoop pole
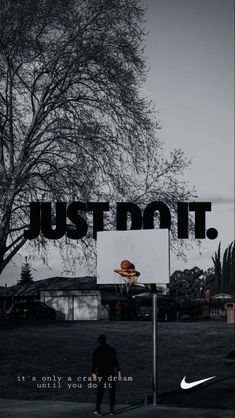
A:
x,y
155,350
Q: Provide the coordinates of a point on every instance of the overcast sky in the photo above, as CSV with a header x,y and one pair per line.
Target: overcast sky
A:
x,y
190,54
190,51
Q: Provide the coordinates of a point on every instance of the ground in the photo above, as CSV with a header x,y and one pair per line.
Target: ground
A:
x,y
196,350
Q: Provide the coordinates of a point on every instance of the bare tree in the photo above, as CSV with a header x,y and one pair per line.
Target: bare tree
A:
x,y
73,122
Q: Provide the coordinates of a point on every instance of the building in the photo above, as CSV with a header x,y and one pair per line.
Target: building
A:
x,y
75,298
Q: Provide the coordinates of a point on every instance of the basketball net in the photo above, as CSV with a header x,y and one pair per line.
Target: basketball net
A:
x,y
122,284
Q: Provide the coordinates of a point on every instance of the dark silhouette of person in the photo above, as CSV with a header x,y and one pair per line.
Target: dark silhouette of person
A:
x,y
105,364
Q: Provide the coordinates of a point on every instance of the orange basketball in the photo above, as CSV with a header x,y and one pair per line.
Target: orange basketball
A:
x,y
126,265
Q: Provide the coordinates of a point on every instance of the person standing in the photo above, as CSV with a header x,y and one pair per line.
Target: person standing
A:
x,y
105,364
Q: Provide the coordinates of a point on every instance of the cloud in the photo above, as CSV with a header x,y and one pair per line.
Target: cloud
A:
x,y
218,199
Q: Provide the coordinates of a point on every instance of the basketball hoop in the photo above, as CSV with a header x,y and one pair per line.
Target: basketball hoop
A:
x,y
127,276
152,250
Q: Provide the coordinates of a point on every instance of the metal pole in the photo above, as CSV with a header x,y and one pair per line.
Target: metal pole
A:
x,y
155,351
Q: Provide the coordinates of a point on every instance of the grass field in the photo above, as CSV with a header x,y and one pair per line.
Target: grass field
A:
x,y
196,350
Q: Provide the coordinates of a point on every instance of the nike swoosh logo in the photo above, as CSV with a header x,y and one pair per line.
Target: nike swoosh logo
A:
x,y
185,385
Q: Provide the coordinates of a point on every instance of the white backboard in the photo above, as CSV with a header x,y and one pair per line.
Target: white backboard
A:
x,y
148,250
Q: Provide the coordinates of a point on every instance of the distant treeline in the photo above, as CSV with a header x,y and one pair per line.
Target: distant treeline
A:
x,y
192,283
